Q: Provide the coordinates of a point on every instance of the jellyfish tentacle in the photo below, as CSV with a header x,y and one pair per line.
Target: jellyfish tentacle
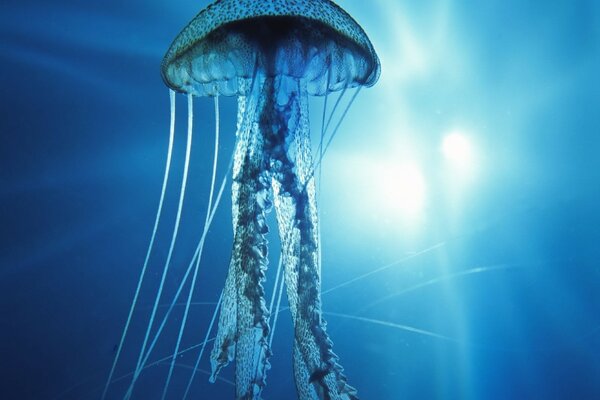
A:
x,y
250,257
224,347
141,356
275,312
244,312
150,246
201,245
204,342
286,130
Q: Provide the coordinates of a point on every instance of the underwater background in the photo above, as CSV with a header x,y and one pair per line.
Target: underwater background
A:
x,y
459,202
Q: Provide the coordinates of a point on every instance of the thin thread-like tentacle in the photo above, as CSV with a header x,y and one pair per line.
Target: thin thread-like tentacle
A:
x,y
335,106
172,247
197,253
471,271
384,267
210,326
325,126
197,267
215,158
150,245
391,325
322,137
275,286
337,127
321,151
278,306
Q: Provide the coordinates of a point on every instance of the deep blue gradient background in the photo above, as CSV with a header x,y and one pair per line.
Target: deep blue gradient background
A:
x,y
500,256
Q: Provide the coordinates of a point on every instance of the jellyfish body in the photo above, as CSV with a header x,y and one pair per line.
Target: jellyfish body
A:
x,y
272,55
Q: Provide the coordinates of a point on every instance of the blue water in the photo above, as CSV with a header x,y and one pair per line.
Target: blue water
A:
x,y
469,273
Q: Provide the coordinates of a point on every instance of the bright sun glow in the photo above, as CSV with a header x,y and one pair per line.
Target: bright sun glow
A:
x,y
403,189
457,148
389,189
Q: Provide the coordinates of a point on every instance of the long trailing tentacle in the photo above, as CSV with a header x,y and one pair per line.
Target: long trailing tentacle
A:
x,y
197,266
224,346
206,225
194,260
277,292
317,372
243,326
171,248
150,245
206,338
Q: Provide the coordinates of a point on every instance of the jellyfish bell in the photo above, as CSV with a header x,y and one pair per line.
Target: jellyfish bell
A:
x,y
230,41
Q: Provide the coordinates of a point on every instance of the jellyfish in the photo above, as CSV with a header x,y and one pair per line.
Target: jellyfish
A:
x,y
272,55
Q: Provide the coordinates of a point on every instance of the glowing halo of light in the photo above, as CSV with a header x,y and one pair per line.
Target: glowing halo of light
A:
x,y
457,148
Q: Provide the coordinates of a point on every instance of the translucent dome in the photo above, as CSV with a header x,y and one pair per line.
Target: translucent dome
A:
x,y
232,40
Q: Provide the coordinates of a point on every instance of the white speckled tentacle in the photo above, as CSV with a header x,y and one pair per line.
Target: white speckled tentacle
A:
x,y
243,326
224,347
317,372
